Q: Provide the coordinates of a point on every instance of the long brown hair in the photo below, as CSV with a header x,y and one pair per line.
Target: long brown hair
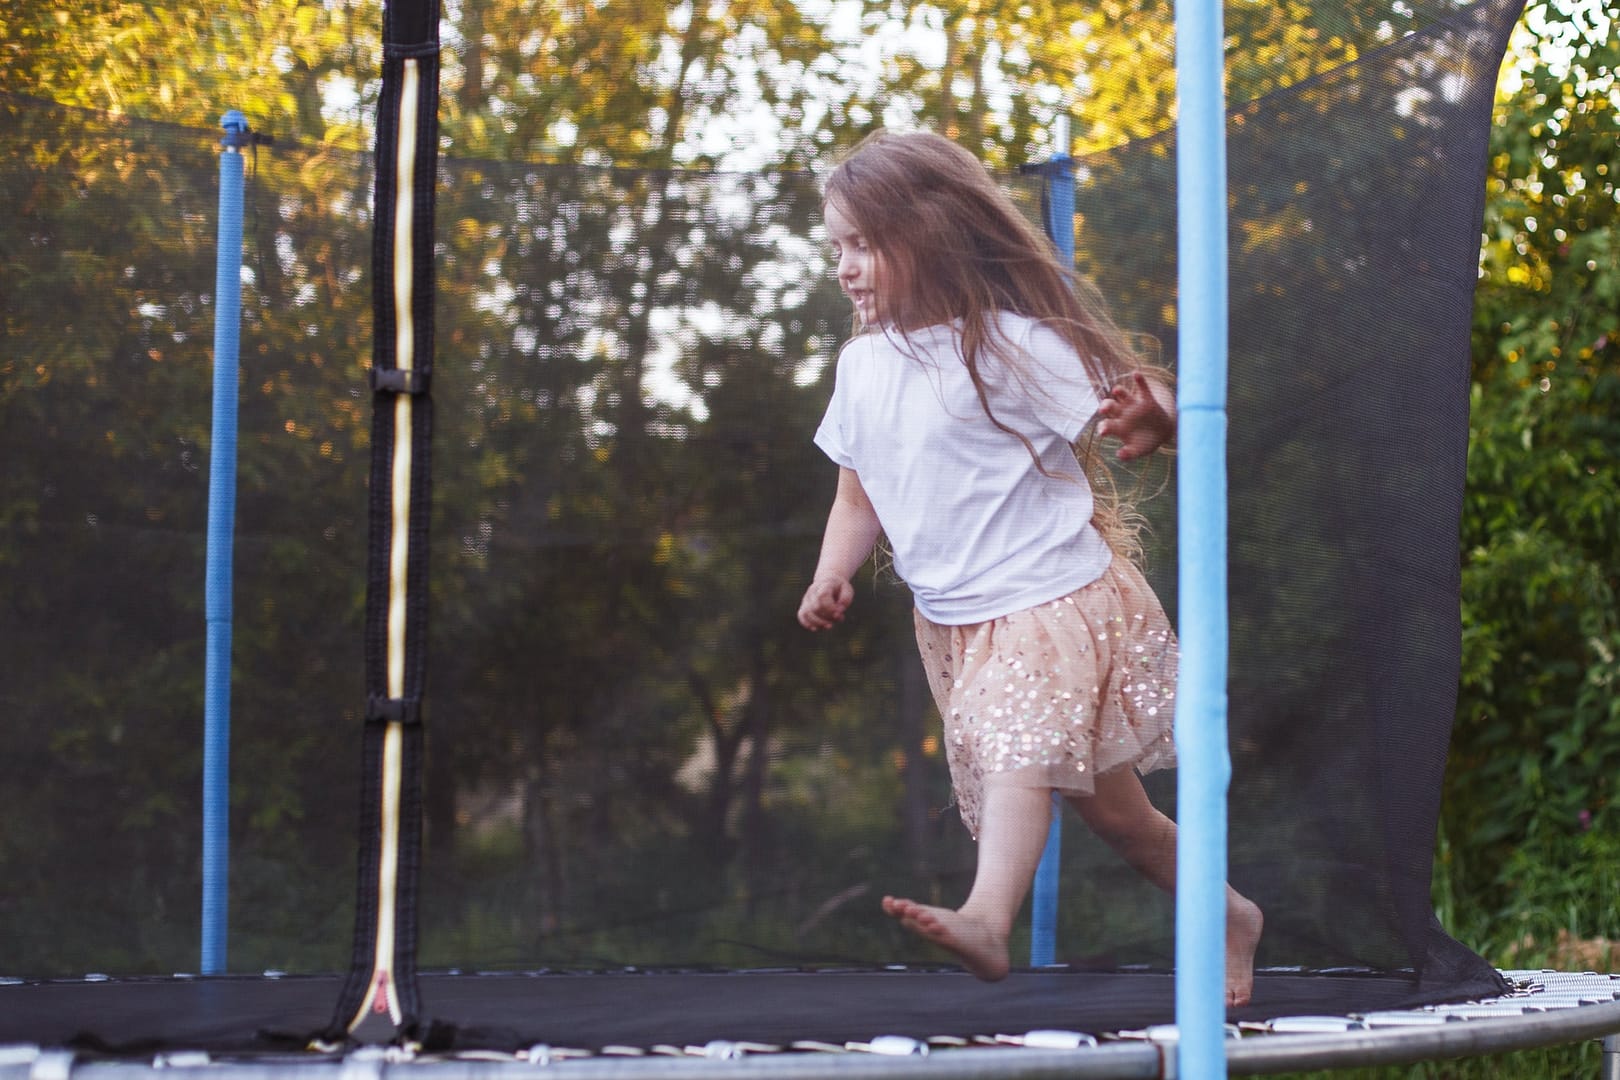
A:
x,y
952,246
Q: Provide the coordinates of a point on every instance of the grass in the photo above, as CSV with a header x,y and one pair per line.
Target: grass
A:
x,y
1581,1060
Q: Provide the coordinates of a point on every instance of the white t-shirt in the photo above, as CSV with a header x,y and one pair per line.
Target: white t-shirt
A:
x,y
977,531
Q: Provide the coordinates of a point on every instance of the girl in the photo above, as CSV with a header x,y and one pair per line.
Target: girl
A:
x,y
953,421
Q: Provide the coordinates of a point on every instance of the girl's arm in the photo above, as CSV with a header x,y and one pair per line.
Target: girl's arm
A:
x,y
1140,413
852,531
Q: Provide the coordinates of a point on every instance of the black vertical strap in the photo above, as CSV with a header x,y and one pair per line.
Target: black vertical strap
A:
x,y
380,999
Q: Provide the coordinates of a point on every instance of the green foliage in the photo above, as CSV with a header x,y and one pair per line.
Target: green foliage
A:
x,y
566,81
274,60
1530,818
1549,1063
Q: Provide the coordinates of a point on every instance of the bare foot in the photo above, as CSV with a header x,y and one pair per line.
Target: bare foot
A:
x,y
980,949
1243,925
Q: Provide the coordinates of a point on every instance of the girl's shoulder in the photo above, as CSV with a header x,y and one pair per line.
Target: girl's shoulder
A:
x,y
862,349
1014,325
1040,355
883,343
1029,341
1030,334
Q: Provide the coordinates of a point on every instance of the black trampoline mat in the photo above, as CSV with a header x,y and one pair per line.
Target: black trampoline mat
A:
x,y
513,1011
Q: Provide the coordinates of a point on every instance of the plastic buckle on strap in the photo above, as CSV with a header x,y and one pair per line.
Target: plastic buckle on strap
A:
x,y
1063,167
412,50
386,710
398,381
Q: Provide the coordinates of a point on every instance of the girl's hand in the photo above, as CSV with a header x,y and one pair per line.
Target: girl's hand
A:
x,y
825,602
1137,415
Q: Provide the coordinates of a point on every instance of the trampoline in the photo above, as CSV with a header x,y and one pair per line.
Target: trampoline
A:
x,y
777,1023
634,821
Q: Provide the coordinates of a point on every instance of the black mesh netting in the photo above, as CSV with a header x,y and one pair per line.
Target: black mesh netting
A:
x,y
635,755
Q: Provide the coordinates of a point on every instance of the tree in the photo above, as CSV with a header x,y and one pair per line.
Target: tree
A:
x,y
278,62
1530,798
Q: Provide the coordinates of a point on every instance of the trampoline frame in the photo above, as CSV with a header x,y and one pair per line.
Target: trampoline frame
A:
x,y
1547,1008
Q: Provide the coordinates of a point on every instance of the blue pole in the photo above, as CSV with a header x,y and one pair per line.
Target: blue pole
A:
x,y
1043,913
221,534
1060,227
1205,765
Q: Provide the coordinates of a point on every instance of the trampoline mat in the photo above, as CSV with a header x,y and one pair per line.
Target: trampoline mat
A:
x,y
513,1011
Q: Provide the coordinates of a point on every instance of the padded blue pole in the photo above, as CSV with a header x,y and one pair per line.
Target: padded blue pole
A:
x,y
1043,905
1043,911
1205,764
221,536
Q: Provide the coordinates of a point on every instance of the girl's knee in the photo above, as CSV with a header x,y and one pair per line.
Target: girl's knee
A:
x,y
1109,822
1121,821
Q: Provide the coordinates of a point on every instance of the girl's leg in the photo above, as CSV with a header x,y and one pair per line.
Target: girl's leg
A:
x,y
1013,824
1126,819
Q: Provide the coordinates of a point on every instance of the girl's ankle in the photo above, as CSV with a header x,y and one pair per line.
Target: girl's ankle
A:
x,y
997,927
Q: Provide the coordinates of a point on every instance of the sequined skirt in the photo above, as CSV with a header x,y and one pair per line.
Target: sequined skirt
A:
x,y
1055,694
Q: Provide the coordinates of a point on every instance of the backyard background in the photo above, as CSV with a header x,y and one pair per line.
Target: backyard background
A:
x,y
1528,858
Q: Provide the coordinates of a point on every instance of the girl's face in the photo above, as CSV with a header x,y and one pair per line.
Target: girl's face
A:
x,y
859,269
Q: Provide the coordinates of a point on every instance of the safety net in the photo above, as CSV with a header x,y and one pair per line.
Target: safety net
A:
x,y
654,808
